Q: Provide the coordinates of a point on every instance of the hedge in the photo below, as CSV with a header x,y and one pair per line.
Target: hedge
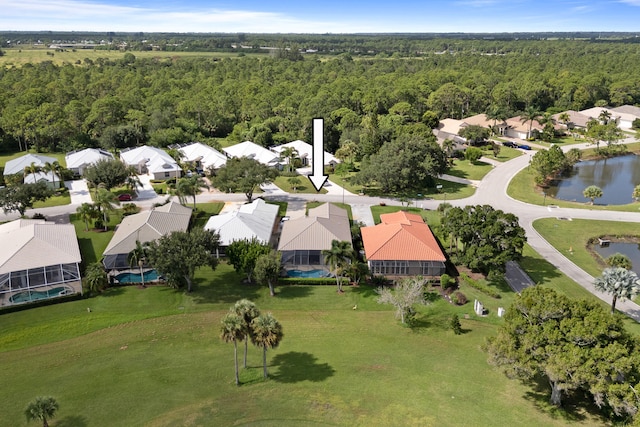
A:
x,y
311,281
479,286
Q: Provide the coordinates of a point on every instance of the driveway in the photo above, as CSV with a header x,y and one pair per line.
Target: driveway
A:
x,y
79,192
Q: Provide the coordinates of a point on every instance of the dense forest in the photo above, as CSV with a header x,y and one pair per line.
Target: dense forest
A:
x,y
365,101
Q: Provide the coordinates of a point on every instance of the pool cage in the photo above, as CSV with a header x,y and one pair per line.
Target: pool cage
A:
x,y
39,283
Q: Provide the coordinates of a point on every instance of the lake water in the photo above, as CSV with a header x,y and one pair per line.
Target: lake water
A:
x,y
617,177
629,249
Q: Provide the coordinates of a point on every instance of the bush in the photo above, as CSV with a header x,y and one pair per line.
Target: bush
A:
x,y
455,325
479,286
459,298
38,215
310,281
446,281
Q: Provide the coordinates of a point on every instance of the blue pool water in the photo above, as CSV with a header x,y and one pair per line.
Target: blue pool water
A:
x,y
315,274
135,277
26,296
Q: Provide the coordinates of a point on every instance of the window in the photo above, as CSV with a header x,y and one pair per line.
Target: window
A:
x,y
167,175
392,268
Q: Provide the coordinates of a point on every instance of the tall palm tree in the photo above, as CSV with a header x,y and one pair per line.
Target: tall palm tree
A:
x,y
138,257
233,330
267,333
496,113
247,311
530,114
619,282
55,168
133,181
290,154
190,186
42,408
32,168
604,116
86,212
104,200
338,257
565,119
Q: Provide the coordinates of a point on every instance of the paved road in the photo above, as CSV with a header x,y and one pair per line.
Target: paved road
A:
x,y
492,190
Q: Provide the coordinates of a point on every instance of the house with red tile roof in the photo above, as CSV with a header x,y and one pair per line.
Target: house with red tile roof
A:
x,y
402,245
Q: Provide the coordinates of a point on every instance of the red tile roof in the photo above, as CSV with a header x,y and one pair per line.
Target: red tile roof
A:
x,y
401,236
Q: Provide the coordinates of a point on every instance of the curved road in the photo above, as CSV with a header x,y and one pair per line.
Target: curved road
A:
x,y
492,190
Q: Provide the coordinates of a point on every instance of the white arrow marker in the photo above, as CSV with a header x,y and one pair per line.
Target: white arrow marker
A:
x,y
317,176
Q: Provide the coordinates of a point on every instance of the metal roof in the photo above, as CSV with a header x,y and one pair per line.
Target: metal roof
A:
x,y
251,220
15,166
324,224
28,244
88,156
253,151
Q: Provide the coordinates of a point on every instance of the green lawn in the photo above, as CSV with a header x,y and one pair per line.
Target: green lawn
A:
x,y
506,154
570,238
204,211
63,199
473,171
153,357
304,187
430,217
93,242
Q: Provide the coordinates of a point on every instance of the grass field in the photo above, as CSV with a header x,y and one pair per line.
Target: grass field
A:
x,y
19,57
304,187
473,171
153,357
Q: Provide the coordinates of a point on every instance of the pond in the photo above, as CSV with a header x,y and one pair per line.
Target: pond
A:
x,y
631,250
617,177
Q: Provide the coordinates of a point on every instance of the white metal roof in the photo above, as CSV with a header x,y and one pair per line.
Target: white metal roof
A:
x,y
15,166
36,243
154,158
255,219
253,151
88,156
148,226
208,156
305,150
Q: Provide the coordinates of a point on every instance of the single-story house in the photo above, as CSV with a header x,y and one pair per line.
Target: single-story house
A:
x,y
305,153
151,160
252,220
38,260
448,129
625,120
78,160
50,178
253,151
17,165
402,245
631,111
577,120
303,239
202,157
144,227
482,121
519,129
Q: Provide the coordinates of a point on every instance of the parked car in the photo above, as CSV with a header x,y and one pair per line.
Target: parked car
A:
x,y
510,144
524,146
124,197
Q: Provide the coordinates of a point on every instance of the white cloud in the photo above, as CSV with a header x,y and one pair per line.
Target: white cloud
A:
x,y
69,15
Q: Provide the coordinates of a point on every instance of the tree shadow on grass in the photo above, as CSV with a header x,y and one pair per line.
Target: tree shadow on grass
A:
x,y
295,366
293,292
364,291
113,291
539,270
222,287
575,408
72,421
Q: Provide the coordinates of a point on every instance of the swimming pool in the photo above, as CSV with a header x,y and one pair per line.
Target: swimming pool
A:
x,y
309,274
149,276
26,296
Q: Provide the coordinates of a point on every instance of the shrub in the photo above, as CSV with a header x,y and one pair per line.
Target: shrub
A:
x,y
459,298
446,281
455,325
479,286
310,281
38,215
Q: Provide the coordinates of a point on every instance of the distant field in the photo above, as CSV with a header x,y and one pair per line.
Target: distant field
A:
x,y
19,57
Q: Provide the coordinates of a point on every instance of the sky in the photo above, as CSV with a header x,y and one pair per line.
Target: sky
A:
x,y
326,16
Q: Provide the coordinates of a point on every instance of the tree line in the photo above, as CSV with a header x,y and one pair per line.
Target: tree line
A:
x,y
366,102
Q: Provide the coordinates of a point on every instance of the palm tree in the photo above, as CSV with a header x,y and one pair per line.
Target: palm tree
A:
x,y
290,154
95,278
247,311
495,113
619,282
448,145
133,181
636,193
104,200
138,256
190,186
86,212
530,114
338,257
604,116
42,408
592,192
294,182
266,333
32,168
619,260
233,330
565,119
